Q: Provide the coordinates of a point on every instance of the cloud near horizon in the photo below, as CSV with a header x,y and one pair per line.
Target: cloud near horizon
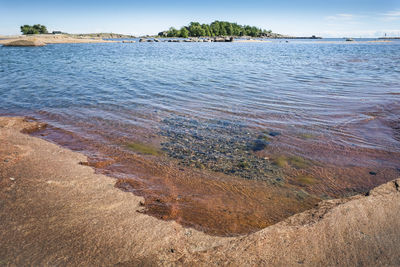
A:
x,y
392,15
341,17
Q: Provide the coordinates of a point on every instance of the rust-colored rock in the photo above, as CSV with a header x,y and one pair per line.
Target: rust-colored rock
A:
x,y
55,211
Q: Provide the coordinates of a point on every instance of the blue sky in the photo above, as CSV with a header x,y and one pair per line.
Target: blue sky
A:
x,y
329,18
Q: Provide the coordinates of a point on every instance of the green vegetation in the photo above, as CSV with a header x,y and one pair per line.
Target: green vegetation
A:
x,y
144,149
306,180
306,136
281,161
35,29
299,162
217,28
293,161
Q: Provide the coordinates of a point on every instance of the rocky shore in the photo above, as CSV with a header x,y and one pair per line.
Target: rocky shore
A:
x,y
217,39
55,211
43,39
189,40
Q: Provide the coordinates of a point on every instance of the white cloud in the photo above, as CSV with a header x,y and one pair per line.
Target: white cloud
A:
x,y
360,33
391,15
341,17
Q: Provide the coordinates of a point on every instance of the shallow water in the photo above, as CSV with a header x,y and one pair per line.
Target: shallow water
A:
x,y
224,137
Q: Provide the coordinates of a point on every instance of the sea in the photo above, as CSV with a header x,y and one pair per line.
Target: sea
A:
x,y
226,138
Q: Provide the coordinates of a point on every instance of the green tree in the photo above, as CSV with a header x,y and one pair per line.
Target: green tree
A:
x,y
215,28
229,29
172,32
195,29
184,33
35,29
222,31
206,29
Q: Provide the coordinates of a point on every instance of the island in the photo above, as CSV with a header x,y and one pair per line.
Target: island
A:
x,y
225,29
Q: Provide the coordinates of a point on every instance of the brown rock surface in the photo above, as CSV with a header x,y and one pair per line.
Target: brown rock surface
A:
x,y
54,211
31,42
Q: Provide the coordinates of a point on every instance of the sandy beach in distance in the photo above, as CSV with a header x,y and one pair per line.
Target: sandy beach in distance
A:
x,y
55,211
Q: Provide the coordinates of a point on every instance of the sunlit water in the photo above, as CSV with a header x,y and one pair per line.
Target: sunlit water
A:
x,y
334,107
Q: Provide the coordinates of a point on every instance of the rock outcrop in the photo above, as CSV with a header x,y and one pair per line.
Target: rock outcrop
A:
x,y
25,42
55,211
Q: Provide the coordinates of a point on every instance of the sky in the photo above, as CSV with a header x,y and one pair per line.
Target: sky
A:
x,y
326,18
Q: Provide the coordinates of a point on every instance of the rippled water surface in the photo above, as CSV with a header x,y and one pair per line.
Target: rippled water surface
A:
x,y
224,137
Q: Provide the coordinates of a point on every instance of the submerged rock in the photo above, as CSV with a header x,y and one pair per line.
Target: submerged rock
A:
x,y
274,133
218,145
259,144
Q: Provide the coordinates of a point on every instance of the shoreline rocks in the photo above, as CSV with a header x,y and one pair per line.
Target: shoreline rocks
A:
x,y
189,40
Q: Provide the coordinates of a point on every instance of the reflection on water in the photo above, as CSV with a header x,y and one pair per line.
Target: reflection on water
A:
x,y
224,137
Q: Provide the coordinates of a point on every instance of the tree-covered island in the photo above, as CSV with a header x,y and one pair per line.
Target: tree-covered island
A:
x,y
217,28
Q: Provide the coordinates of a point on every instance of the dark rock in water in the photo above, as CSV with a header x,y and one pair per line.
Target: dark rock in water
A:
x,y
141,40
274,133
259,145
372,173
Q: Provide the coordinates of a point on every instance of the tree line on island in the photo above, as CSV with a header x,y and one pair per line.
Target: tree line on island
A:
x,y
216,28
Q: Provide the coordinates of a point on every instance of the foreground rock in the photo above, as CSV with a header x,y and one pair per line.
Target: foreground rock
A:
x,y
54,211
25,43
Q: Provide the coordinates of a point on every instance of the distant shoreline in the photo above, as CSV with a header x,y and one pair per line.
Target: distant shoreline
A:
x,y
53,39
107,38
389,38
